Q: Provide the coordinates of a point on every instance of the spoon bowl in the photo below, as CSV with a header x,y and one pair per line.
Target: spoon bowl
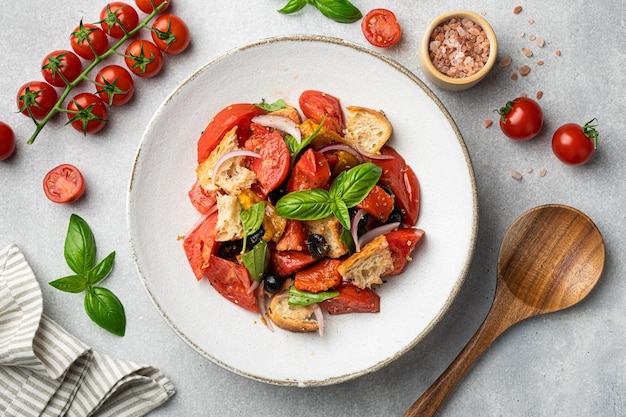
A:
x,y
551,258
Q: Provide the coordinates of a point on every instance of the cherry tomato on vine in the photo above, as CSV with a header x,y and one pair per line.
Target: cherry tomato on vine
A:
x,y
61,67
170,34
36,99
144,58
118,18
574,144
381,28
115,85
87,113
147,6
521,118
7,141
64,184
87,39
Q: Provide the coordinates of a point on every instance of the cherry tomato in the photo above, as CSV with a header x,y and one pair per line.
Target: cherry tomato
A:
x,y
170,34
64,184
316,104
380,27
287,262
232,281
294,237
272,167
36,99
234,115
147,6
115,85
202,199
321,276
7,141
61,67
144,58
311,171
377,203
87,113
117,19
200,244
87,39
352,299
573,144
521,118
402,242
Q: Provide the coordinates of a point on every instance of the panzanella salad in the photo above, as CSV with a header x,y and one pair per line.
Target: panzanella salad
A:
x,y
302,210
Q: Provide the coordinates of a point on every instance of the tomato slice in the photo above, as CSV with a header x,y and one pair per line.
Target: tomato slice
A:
x,y
64,184
352,299
403,182
234,115
272,167
294,237
311,171
402,243
377,203
320,276
232,281
287,262
202,199
380,27
316,104
199,245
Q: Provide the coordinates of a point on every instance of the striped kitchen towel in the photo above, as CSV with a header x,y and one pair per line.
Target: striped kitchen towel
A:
x,y
45,371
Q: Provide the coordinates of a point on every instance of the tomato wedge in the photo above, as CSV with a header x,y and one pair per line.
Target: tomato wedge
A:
x,y
232,281
402,242
287,262
199,245
316,104
377,203
234,115
202,199
311,171
294,237
352,299
320,276
272,167
381,28
64,184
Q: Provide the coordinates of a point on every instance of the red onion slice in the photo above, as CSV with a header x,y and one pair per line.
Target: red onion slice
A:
x,y
374,156
319,316
261,302
381,230
334,146
202,218
227,156
354,228
282,123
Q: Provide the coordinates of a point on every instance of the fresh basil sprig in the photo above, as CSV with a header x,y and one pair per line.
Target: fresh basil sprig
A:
x,y
275,106
296,147
305,298
341,11
348,190
256,260
252,218
101,305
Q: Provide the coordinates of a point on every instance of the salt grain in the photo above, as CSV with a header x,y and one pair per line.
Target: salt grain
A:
x,y
487,123
505,61
517,9
514,76
542,172
539,94
558,52
531,21
540,42
516,175
524,70
531,37
529,169
527,52
539,62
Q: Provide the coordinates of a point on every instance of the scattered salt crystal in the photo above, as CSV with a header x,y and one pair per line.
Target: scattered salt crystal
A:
x,y
540,42
517,9
542,172
505,61
524,70
514,76
539,62
529,169
527,52
487,123
539,94
521,34
516,175
523,94
558,52
531,21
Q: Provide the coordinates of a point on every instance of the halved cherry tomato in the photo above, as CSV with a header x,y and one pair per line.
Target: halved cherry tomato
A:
x,y
36,99
143,58
115,85
272,167
320,276
352,299
403,182
170,34
117,19
311,171
316,104
380,27
64,184
232,281
87,113
234,115
294,237
87,39
200,244
288,262
521,118
402,243
147,6
61,67
202,199
7,141
377,203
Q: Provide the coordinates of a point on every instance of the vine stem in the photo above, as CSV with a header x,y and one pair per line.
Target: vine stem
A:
x,y
58,107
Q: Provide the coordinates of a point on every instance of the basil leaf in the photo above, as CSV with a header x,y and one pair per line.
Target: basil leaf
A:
x,y
341,11
277,105
73,283
295,148
354,185
256,260
292,6
313,204
340,210
252,218
305,298
106,310
346,238
102,270
80,246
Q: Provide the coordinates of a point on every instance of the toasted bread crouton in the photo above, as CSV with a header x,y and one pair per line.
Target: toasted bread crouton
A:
x,y
294,318
365,268
330,228
366,129
231,176
229,226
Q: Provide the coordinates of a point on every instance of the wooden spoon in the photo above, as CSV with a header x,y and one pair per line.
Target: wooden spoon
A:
x,y
550,258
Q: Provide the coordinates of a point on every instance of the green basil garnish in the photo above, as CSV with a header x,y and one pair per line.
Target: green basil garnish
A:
x,y
256,260
252,218
304,298
341,11
292,6
295,148
275,106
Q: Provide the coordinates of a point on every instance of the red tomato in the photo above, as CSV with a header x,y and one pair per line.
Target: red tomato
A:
x,y
117,19
377,203
147,6
234,115
61,67
573,144
202,199
199,245
288,262
170,34
352,299
36,99
144,58
521,118
321,276
7,141
272,167
64,184
380,27
87,39
311,171
115,85
87,113
402,242
294,237
316,104
232,281
403,182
